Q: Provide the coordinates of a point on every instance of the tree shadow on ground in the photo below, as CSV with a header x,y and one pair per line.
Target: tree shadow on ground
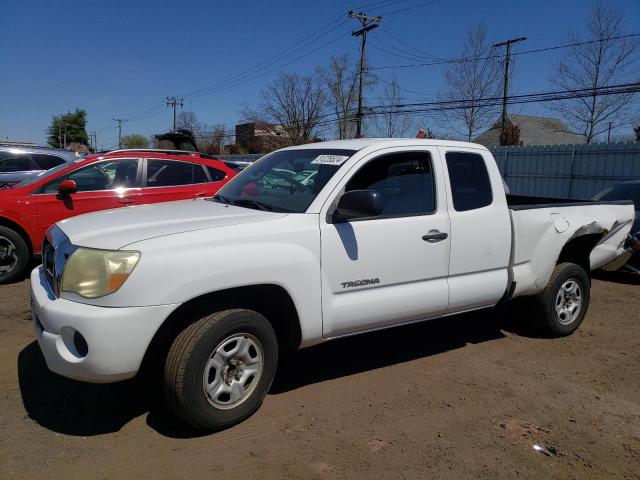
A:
x,y
76,408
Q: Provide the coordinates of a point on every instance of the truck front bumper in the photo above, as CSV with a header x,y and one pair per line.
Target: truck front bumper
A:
x,y
91,343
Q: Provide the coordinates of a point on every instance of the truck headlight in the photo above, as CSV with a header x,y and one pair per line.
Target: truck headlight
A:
x,y
93,273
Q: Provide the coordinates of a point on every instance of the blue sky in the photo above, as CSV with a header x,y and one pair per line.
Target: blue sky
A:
x,y
118,58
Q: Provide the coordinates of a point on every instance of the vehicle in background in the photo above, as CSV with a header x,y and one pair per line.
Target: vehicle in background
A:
x,y
117,179
19,163
629,190
185,141
388,231
306,177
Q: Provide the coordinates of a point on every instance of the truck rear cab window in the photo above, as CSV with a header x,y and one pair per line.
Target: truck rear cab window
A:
x,y
405,181
469,180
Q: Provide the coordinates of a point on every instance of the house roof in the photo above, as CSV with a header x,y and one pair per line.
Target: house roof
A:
x,y
533,131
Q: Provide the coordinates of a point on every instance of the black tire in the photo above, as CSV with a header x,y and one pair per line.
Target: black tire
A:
x,y
546,317
189,355
10,239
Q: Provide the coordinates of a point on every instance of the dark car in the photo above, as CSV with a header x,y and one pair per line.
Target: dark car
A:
x,y
629,190
18,163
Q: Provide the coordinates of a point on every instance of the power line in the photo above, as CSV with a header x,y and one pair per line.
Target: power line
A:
x,y
526,52
384,3
156,108
406,89
398,53
305,42
399,40
410,7
537,97
243,77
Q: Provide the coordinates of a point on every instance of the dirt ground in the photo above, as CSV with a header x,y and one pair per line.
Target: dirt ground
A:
x,y
463,397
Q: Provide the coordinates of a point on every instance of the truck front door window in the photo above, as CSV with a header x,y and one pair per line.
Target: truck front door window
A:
x,y
405,181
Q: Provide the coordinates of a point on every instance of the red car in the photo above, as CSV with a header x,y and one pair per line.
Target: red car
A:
x,y
99,182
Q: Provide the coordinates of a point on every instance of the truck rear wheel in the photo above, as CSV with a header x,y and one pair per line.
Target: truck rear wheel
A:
x,y
564,301
14,254
220,368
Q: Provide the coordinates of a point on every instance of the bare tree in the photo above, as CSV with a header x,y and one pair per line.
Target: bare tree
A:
x,y
188,121
290,110
341,83
602,62
475,78
392,122
214,141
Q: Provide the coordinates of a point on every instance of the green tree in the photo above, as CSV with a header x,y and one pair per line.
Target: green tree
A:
x,y
71,126
135,140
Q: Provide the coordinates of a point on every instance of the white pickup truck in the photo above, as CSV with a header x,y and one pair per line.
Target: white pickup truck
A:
x,y
309,244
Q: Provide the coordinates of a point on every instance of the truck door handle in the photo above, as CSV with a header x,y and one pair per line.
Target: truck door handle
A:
x,y
127,200
435,236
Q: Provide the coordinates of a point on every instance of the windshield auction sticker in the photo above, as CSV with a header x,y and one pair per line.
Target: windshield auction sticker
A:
x,y
329,160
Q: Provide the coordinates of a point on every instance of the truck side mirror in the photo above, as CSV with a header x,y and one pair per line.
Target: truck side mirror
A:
x,y
358,204
67,187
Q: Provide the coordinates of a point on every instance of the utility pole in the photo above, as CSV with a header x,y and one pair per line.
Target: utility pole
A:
x,y
59,134
93,141
609,133
505,92
173,102
119,121
368,23
65,135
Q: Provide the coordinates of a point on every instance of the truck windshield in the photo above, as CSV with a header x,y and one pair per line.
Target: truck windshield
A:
x,y
285,181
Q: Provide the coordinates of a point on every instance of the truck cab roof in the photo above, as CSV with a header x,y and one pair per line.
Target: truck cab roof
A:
x,y
361,143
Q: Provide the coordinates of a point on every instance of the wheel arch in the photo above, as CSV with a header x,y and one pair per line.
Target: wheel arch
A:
x,y
19,229
578,249
272,301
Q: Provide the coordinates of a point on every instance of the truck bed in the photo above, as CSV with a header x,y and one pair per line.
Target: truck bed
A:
x,y
543,226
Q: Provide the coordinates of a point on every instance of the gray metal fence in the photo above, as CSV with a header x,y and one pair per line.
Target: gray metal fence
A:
x,y
567,171
560,171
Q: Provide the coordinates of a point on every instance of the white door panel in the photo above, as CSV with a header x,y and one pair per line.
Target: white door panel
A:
x,y
404,276
379,272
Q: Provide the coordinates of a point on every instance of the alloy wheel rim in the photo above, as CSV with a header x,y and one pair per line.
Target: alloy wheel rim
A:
x,y
7,249
233,370
568,301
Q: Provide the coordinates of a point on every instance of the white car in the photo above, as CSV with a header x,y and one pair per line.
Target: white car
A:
x,y
389,232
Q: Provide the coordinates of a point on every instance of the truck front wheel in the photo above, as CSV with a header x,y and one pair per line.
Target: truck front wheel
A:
x,y
220,368
564,301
